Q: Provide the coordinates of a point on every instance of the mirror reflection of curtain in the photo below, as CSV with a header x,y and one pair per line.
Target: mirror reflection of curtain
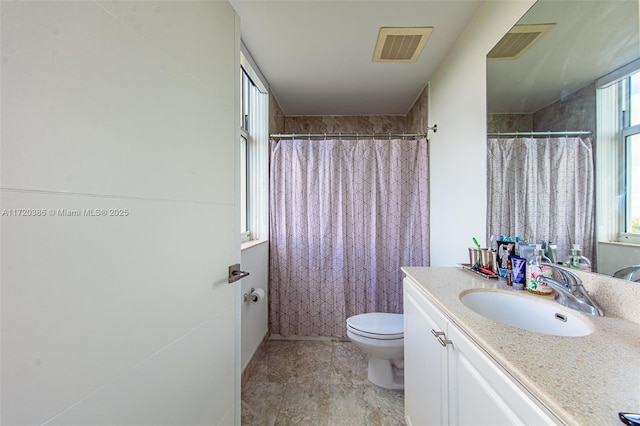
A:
x,y
345,215
542,189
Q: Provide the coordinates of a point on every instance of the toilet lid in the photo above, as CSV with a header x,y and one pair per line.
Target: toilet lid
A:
x,y
377,325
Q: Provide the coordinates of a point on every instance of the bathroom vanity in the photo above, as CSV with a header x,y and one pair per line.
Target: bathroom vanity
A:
x,y
463,368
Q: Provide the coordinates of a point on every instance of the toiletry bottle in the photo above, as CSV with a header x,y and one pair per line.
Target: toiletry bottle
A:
x,y
543,245
505,249
518,272
576,260
535,268
517,247
552,252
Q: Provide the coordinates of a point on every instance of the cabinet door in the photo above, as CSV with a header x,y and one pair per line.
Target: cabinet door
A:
x,y
481,392
425,361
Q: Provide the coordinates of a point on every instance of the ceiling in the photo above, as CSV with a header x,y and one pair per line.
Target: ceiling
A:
x,y
317,55
590,39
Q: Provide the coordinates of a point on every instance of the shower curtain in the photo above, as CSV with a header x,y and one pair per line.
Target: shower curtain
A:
x,y
542,189
345,215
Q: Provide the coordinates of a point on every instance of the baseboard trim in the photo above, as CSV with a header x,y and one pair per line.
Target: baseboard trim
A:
x,y
258,355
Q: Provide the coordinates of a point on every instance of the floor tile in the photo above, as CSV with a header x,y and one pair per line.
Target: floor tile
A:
x,y
347,405
304,404
261,402
349,364
386,407
303,382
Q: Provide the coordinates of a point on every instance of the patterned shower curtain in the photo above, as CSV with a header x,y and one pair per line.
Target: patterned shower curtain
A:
x,y
345,215
542,189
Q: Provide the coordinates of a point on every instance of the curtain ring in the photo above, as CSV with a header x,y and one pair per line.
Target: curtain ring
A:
x,y
325,136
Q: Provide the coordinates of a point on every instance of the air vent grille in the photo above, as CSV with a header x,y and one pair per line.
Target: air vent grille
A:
x,y
518,40
400,44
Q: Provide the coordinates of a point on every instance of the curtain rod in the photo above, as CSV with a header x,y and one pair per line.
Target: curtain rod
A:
x,y
352,135
533,134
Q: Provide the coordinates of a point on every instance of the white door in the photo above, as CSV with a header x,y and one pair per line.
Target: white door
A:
x,y
119,212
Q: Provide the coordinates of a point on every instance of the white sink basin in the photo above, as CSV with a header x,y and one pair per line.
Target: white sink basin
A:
x,y
527,313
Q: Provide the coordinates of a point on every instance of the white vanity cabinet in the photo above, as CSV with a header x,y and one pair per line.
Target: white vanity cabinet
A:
x,y
425,362
450,380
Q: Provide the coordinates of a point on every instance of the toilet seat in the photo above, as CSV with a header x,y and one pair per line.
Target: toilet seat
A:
x,y
377,325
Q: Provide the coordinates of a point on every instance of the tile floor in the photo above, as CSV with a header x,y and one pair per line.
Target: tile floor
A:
x,y
308,383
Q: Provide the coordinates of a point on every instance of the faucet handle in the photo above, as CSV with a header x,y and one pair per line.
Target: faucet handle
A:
x,y
569,279
570,291
630,419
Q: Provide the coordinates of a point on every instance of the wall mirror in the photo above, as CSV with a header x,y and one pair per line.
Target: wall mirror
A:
x,y
582,42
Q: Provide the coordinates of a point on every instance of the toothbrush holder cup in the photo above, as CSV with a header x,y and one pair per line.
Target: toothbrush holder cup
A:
x,y
474,257
487,259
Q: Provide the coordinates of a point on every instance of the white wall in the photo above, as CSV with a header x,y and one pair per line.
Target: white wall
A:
x,y
131,106
457,104
255,259
614,256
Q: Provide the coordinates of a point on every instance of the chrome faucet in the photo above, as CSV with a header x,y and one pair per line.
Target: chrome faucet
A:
x,y
570,291
628,273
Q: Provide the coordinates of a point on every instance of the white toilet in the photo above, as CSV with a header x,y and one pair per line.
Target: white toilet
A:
x,y
381,335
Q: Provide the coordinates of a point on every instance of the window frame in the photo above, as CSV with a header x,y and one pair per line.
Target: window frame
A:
x,y
245,227
627,131
253,154
613,110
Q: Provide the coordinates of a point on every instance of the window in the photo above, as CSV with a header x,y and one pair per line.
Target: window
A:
x,y
634,99
245,191
631,134
632,222
618,155
253,158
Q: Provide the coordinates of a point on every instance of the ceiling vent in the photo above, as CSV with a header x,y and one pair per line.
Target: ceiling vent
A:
x,y
518,40
400,44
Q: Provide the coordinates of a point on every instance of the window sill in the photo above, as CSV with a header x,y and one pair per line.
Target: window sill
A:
x,y
251,243
629,239
619,243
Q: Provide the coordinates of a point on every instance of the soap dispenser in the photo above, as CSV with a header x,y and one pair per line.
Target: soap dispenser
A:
x,y
576,260
535,268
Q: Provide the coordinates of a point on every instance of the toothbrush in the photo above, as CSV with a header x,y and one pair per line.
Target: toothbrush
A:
x,y
476,242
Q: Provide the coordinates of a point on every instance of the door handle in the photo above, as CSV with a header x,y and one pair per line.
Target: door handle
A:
x,y
235,273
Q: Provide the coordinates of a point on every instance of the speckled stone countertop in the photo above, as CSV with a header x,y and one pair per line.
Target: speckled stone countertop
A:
x,y
582,380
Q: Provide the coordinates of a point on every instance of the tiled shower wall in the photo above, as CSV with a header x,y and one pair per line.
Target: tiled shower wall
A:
x,y
509,122
418,115
276,116
414,122
576,111
345,124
